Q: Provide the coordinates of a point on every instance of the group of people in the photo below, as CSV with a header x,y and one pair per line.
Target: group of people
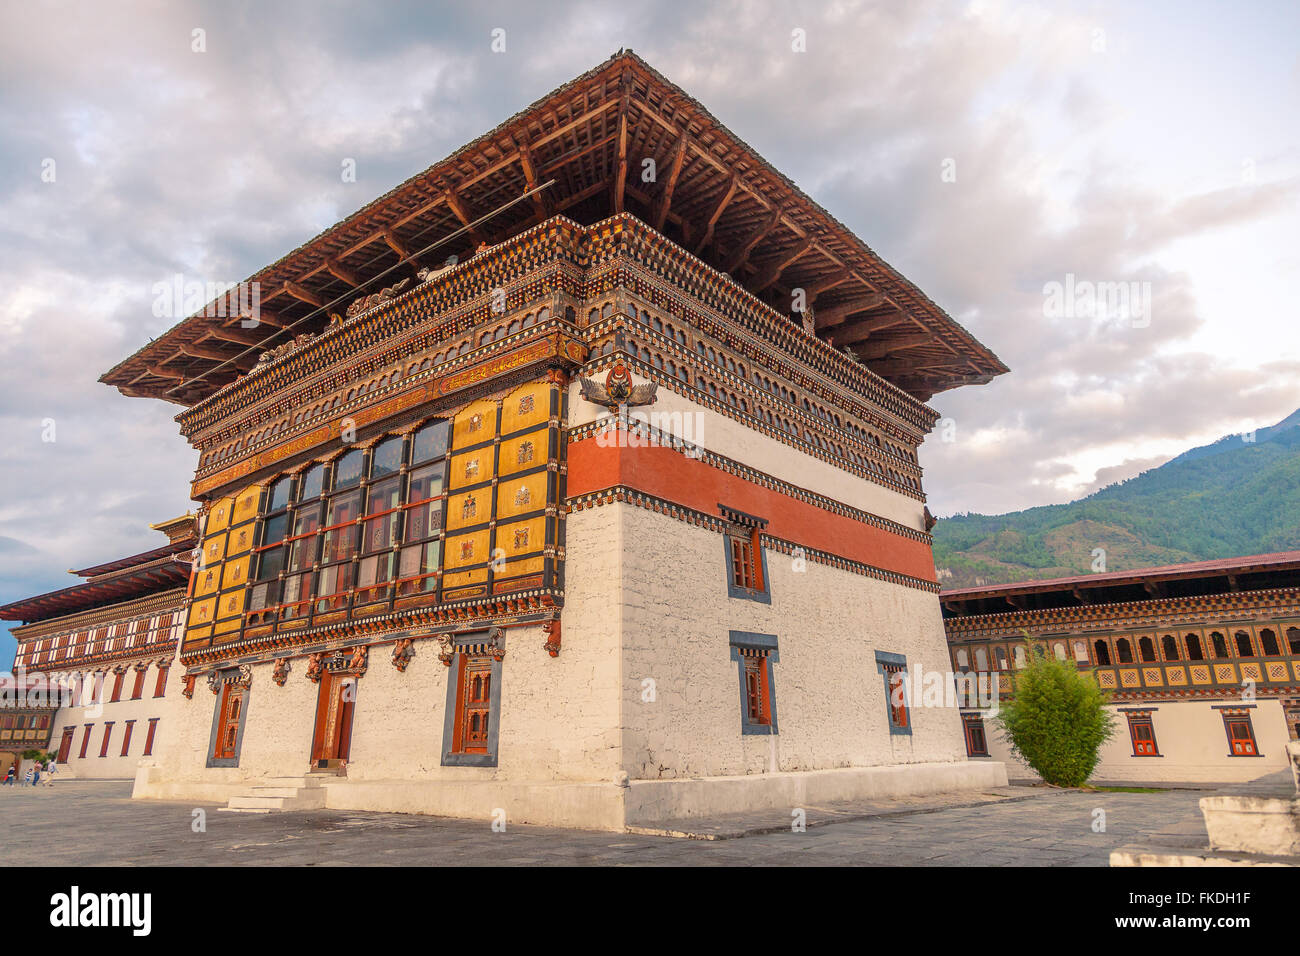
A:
x,y
33,776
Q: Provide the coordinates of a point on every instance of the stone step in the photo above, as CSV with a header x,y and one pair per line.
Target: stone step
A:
x,y
245,801
277,791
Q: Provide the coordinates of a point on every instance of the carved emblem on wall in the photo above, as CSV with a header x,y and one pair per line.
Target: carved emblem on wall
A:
x,y
315,665
618,390
214,682
497,643
470,508
525,405
403,651
359,659
521,538
187,686
446,649
523,496
280,351
471,468
552,629
245,678
280,673
525,453
475,422
467,549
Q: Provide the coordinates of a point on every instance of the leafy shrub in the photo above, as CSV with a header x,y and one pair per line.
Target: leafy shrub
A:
x,y
1057,720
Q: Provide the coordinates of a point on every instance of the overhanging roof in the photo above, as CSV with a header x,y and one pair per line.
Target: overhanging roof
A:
x,y
713,195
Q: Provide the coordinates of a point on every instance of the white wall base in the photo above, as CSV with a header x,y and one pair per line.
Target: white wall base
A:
x,y
608,806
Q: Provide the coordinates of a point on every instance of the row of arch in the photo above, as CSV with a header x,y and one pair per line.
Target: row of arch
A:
x,y
1218,645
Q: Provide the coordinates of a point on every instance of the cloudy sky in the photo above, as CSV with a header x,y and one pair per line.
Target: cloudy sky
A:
x,y
986,149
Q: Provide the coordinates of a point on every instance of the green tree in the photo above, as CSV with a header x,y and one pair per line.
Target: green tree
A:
x,y
1056,721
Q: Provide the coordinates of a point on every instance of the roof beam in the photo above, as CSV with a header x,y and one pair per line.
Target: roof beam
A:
x,y
771,272
541,200
620,163
861,330
741,255
159,372
879,349
813,289
343,273
894,366
834,315
198,350
236,335
302,293
457,206
665,200
718,210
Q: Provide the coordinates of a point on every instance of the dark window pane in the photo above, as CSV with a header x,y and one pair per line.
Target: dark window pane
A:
x,y
279,495
387,458
312,483
430,442
270,564
347,473
274,529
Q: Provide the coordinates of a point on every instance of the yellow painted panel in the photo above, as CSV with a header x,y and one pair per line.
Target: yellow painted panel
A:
x,y
1200,675
527,405
240,539
468,509
232,603
1295,666
1106,678
1225,673
214,549
527,451
533,565
1151,677
228,627
219,515
236,572
476,423
462,578
466,549
1251,672
522,537
201,612
520,495
208,580
198,634
470,468
1128,677
1176,675
246,503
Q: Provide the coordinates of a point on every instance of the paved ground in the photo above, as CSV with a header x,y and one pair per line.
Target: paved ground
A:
x,y
96,823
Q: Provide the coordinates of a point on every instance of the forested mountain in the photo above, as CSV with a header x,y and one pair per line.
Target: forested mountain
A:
x,y
1233,497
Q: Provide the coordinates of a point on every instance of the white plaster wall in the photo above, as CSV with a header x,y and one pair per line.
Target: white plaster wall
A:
x,y
114,765
724,436
830,698
558,716
1191,740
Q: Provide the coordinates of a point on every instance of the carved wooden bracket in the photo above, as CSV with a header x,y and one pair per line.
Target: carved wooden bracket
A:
x,y
552,629
187,685
280,673
315,667
402,654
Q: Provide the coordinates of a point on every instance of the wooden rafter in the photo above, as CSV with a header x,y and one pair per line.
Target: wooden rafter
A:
x,y
458,209
665,200
301,292
861,330
833,315
343,273
719,208
874,349
771,272
740,255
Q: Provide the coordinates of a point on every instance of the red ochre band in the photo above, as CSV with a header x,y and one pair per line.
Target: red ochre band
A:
x,y
668,474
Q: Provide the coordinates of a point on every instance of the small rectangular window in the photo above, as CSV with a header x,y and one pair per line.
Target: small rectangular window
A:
x,y
126,740
893,668
976,740
85,740
117,686
148,740
160,686
137,689
473,704
1241,735
108,734
1143,735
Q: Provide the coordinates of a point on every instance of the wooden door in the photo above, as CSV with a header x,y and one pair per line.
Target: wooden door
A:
x,y
232,708
65,745
333,737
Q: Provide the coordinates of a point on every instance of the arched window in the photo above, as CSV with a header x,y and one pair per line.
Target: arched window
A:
x,y
981,659
1000,653
1124,651
1171,648
1081,652
1059,650
1220,645
963,662
543,314
1268,640
1244,648
1147,648
1101,651
1194,651
1019,655
1293,639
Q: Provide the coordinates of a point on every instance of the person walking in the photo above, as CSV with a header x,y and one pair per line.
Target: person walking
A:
x,y
36,774
9,777
27,778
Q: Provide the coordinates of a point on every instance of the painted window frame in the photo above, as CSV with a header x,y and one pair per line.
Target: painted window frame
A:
x,y
455,676
1239,714
747,644
889,665
218,709
975,721
1141,717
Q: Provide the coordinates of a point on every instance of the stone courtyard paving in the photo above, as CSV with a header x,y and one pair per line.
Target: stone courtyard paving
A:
x,y
96,823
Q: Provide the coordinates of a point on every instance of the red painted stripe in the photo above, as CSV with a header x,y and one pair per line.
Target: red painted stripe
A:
x,y
670,475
